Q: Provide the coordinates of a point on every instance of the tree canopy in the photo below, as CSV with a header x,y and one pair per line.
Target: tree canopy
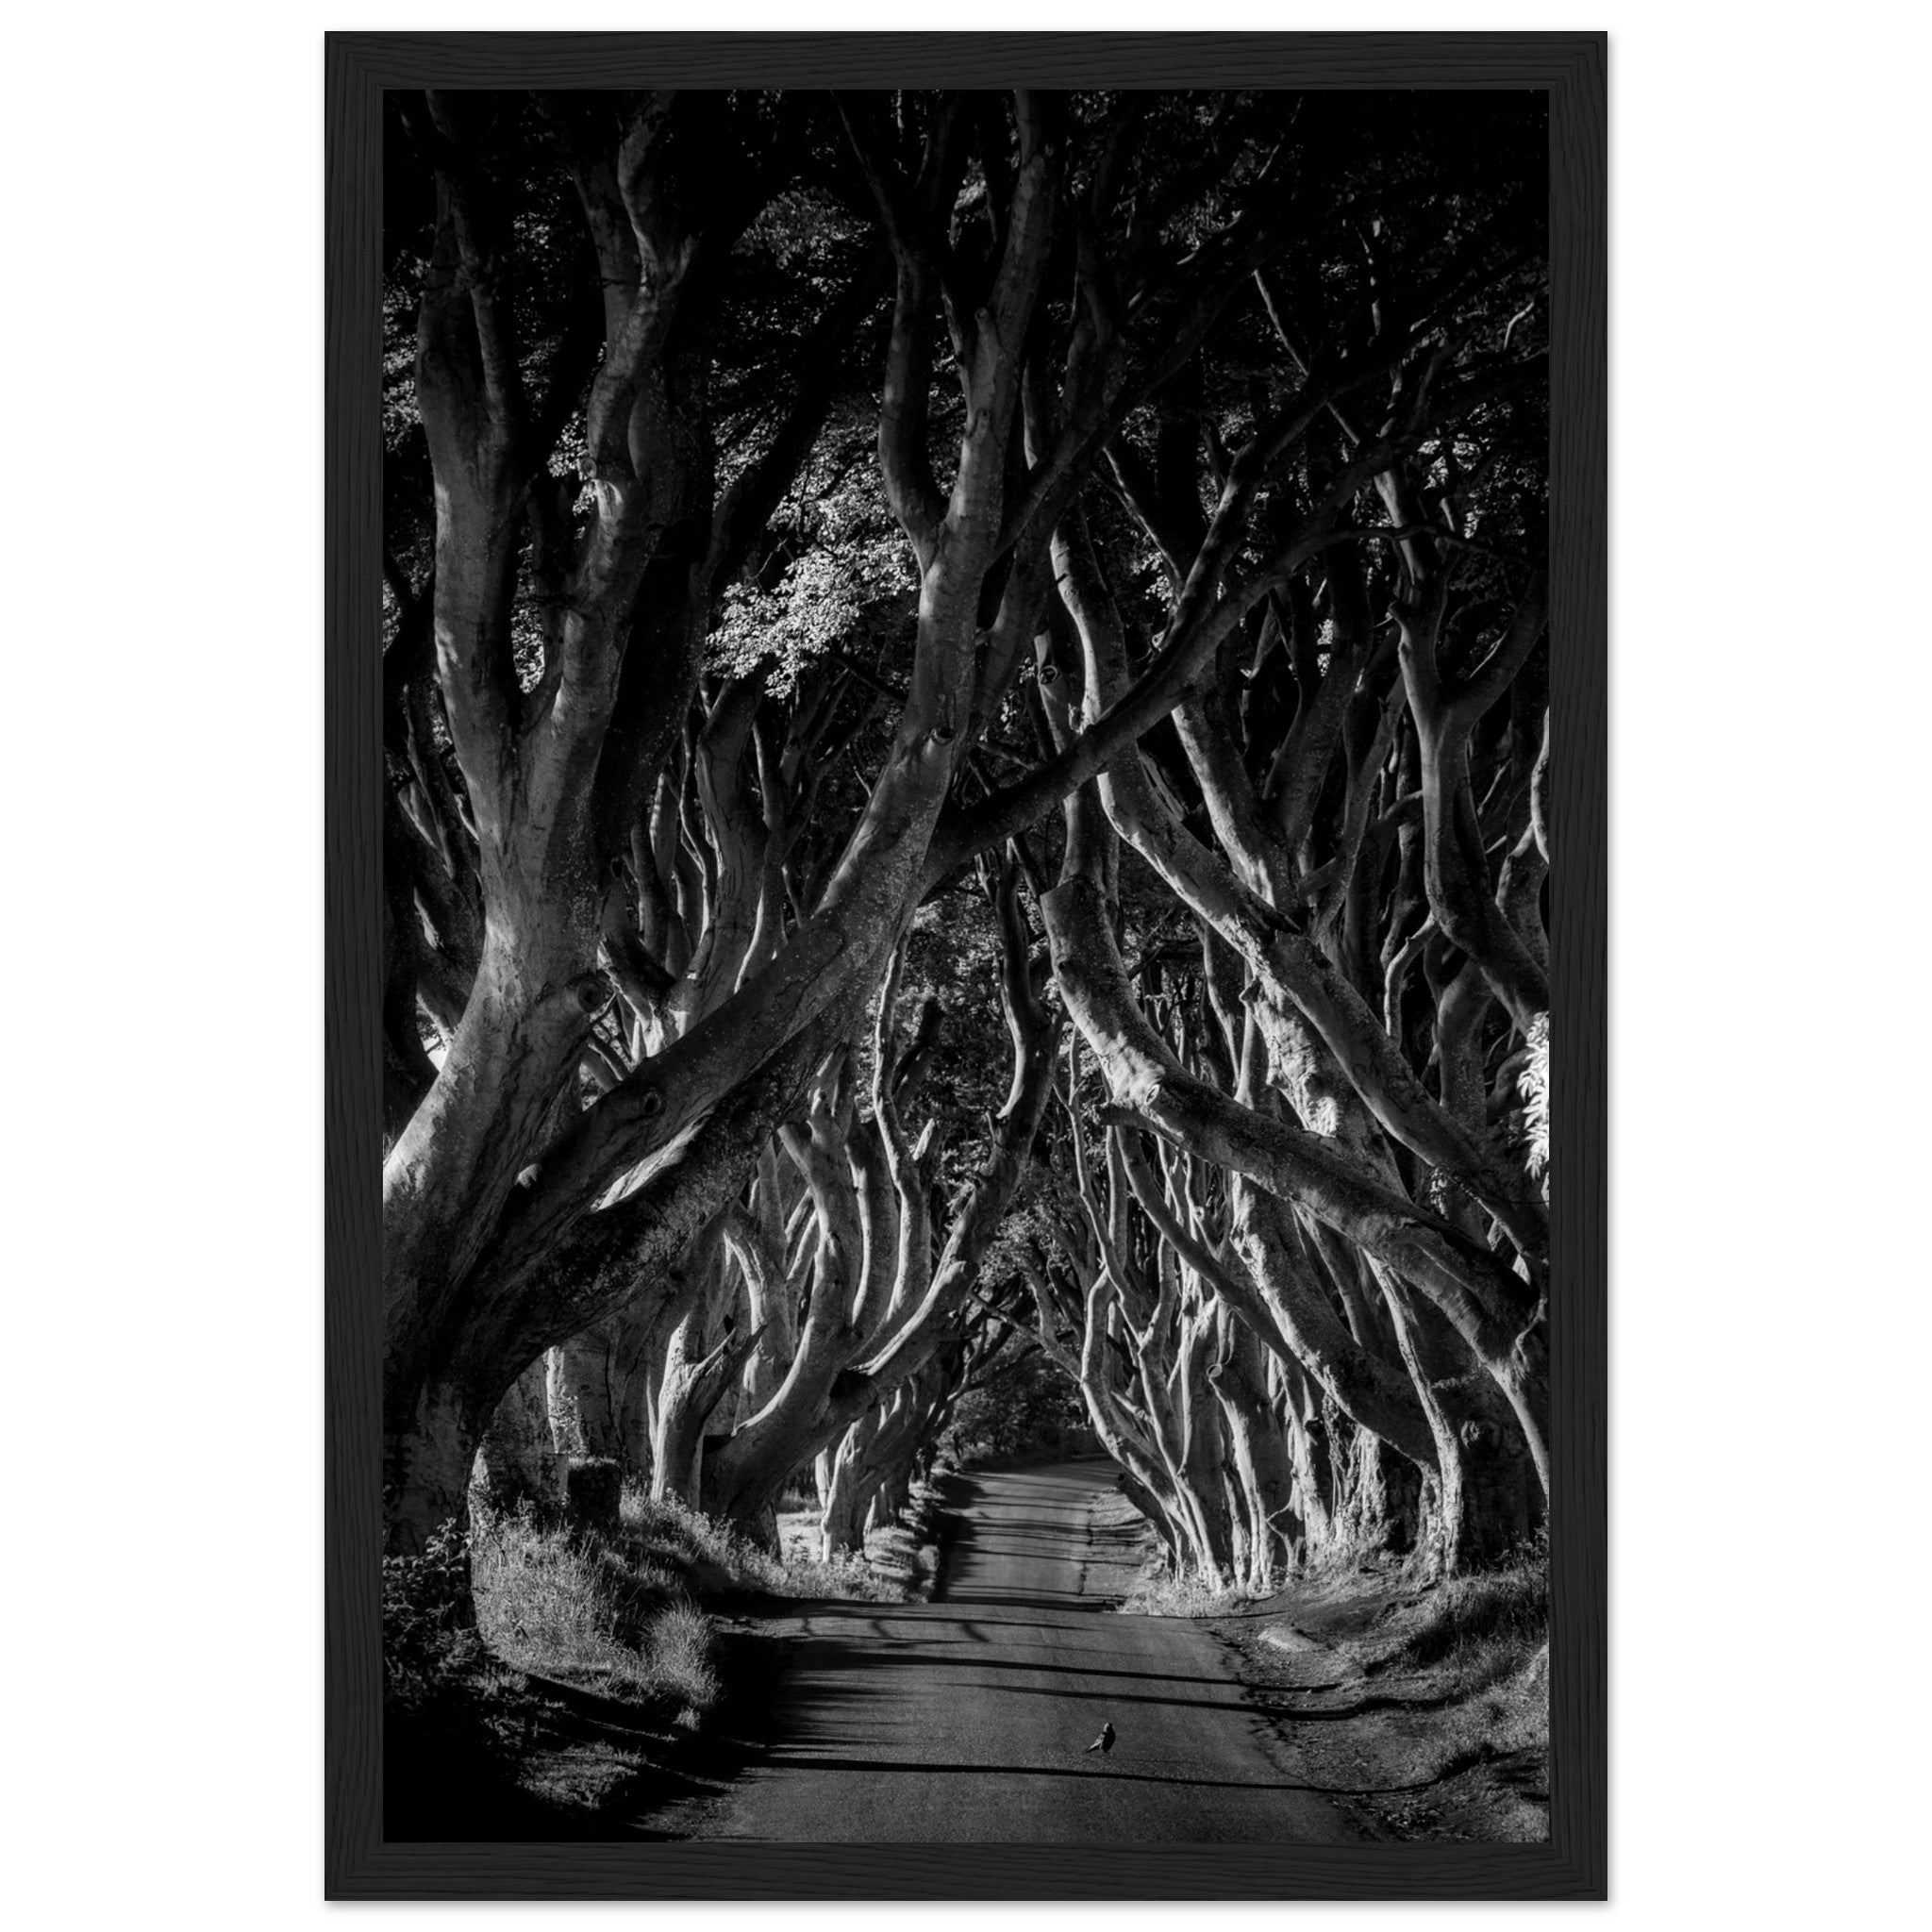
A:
x,y
966,754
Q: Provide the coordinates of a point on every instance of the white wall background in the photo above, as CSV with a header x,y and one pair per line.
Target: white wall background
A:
x,y
160,250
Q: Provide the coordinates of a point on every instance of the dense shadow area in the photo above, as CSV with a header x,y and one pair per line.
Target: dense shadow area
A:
x,y
461,1771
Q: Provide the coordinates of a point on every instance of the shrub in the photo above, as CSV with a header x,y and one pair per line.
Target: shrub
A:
x,y
1025,1409
427,1637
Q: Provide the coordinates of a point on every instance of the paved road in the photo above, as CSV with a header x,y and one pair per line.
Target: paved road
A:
x,y
964,1719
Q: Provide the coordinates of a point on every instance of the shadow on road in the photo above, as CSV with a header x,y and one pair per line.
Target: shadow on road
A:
x,y
874,1766
909,1722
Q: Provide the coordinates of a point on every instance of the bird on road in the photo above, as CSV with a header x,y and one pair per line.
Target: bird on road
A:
x,y
1104,1743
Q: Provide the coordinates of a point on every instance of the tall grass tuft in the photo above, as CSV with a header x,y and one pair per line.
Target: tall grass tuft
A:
x,y
1190,1594
1502,1611
729,1560
587,1611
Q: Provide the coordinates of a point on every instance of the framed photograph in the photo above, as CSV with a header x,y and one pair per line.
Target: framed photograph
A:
x,y
966,706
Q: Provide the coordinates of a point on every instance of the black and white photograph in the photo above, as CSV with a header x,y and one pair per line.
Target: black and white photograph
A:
x,y
962,969
966,1022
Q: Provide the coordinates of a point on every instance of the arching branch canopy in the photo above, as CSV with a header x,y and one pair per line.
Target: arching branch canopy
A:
x,y
833,543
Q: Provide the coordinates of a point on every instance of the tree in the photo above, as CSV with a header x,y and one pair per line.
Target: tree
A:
x,y
1387,1242
690,707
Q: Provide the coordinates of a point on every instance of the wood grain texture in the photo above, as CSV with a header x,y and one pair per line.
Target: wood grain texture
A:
x,y
1573,1864
352,724
1579,1218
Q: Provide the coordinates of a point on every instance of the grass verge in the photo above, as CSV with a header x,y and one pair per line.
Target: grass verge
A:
x,y
1188,1595
594,1661
1426,1702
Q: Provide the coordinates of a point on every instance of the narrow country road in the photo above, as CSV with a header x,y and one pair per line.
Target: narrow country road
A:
x,y
966,1719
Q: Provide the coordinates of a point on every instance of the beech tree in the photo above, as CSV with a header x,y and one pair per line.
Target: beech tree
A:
x,y
1340,801
794,503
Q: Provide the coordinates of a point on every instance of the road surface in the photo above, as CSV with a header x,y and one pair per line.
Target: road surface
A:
x,y
965,1719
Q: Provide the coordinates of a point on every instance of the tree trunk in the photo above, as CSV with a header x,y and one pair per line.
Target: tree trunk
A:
x,y
848,1489
1485,1490
692,1385
1259,1452
582,1409
427,1464
519,1459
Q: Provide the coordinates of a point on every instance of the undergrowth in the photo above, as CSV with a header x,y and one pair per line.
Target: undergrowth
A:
x,y
1483,1642
425,1636
1471,1619
616,1612
730,1561
453,1721
1189,1595
481,1739
593,1610
1466,1664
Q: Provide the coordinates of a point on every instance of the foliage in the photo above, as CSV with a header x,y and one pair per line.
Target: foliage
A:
x,y
591,1610
733,1563
1163,1593
1021,1410
823,605
699,628
426,1634
1533,1084
1504,1611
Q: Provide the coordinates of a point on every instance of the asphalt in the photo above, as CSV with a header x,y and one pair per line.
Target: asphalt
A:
x,y
966,1719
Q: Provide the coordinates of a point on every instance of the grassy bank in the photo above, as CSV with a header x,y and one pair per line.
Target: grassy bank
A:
x,y
596,1660
1426,1702
1423,1704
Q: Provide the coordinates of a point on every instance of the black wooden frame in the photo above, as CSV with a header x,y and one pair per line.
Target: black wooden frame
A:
x,y
1572,1864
